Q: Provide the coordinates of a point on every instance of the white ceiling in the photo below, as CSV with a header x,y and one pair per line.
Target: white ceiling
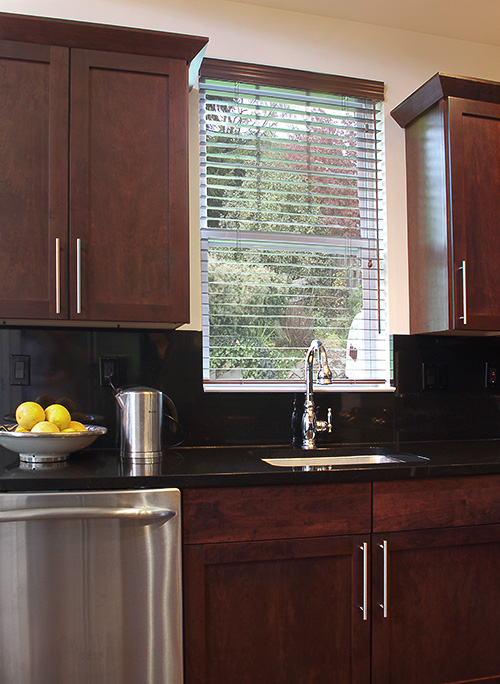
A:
x,y
474,20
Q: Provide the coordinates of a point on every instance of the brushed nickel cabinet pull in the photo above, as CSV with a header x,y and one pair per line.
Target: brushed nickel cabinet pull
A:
x,y
383,605
364,606
58,276
78,276
463,268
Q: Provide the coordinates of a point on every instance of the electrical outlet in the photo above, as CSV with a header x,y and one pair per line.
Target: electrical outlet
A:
x,y
20,367
109,370
490,378
434,376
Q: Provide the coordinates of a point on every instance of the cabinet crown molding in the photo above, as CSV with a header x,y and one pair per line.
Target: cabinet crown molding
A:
x,y
90,36
441,86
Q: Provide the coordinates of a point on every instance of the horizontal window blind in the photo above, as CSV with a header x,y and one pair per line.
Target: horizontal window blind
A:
x,y
292,230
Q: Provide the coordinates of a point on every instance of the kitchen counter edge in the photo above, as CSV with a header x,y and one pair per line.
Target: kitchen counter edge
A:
x,y
228,466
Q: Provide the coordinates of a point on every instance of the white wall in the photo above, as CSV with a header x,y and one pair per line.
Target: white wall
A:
x,y
402,59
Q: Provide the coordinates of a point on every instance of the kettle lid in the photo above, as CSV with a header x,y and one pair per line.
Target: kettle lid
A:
x,y
122,395
139,390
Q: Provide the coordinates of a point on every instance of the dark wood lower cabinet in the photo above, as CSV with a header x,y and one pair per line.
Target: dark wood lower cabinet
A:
x,y
442,603
288,610
276,612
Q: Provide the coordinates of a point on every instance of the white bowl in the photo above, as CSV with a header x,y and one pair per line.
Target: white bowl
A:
x,y
39,447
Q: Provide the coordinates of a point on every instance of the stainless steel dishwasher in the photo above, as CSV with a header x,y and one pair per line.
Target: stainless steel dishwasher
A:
x,y
90,587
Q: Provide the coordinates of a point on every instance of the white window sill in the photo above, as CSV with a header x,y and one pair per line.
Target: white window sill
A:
x,y
255,386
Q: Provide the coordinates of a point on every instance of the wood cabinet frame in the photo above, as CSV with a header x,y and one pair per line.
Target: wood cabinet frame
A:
x,y
96,241
452,135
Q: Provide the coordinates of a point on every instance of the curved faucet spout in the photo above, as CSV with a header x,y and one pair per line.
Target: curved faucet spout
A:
x,y
325,375
310,425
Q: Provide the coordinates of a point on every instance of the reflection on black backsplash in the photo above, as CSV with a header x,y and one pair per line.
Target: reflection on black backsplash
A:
x,y
64,362
441,392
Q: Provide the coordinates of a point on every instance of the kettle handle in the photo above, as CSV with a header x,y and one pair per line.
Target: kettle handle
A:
x,y
119,401
173,415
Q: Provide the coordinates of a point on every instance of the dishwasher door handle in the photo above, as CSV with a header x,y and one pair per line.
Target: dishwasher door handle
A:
x,y
87,513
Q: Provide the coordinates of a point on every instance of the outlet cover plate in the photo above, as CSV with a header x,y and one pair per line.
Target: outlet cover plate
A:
x,y
20,369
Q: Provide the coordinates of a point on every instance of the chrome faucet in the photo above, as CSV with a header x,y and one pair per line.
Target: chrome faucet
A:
x,y
310,424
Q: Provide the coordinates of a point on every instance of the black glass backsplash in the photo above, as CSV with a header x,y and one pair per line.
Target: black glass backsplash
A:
x,y
440,387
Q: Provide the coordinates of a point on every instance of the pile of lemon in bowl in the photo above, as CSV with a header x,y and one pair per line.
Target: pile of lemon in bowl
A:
x,y
32,417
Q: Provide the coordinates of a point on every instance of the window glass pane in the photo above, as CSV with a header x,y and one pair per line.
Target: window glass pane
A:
x,y
291,233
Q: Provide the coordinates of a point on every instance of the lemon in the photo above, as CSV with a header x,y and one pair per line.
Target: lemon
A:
x,y
58,414
45,426
19,428
29,413
75,426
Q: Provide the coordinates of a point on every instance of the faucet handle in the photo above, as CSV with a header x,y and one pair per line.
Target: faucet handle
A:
x,y
324,376
325,425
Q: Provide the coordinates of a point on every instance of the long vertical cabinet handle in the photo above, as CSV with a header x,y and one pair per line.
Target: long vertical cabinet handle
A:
x,y
383,605
463,268
78,276
364,605
58,276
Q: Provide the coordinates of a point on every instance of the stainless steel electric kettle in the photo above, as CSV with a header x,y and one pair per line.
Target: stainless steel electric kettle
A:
x,y
141,423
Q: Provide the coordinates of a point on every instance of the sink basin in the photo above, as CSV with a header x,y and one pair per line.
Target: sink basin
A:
x,y
329,458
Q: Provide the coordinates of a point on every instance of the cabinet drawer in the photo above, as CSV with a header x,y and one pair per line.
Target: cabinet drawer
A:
x,y
444,502
259,513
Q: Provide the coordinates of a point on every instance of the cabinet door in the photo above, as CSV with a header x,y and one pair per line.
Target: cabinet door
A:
x,y
277,612
128,186
33,180
436,606
474,129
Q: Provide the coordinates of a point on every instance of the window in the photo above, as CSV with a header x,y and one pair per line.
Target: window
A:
x,y
292,226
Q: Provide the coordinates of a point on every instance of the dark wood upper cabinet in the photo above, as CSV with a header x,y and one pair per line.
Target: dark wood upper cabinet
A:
x,y
94,170
452,131
128,188
34,106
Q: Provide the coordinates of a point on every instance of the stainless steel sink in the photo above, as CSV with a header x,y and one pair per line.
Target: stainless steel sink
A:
x,y
329,458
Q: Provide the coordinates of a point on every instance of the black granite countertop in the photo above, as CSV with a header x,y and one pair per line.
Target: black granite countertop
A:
x,y
94,469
